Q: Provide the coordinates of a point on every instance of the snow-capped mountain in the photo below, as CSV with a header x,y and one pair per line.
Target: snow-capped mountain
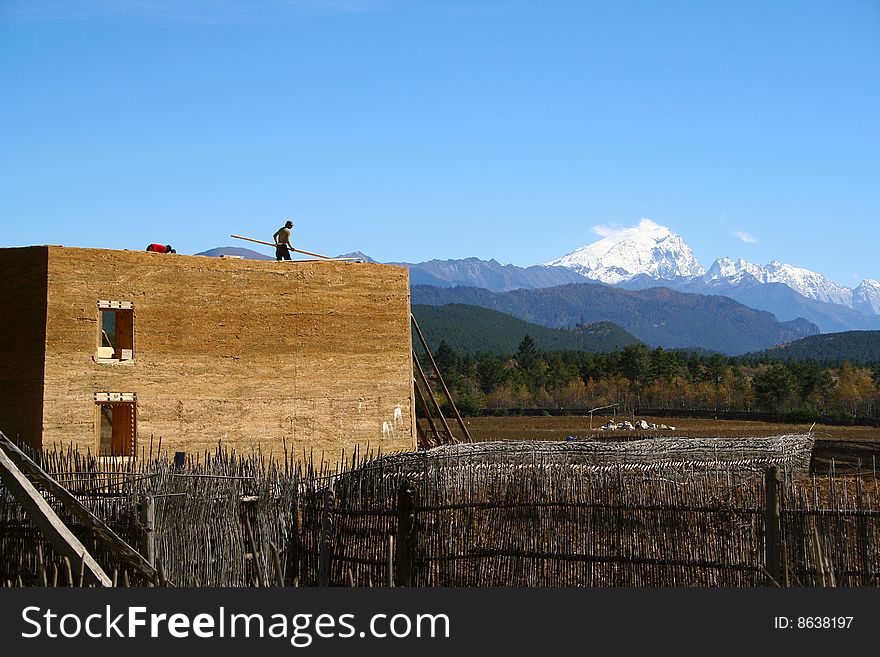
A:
x,y
866,297
647,249
733,271
651,255
806,282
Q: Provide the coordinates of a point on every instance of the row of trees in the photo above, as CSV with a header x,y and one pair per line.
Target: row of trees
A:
x,y
638,377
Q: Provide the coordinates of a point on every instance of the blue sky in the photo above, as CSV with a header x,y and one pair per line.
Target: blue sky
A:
x,y
413,130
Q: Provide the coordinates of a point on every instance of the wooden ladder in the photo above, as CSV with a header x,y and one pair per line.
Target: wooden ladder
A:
x,y
433,435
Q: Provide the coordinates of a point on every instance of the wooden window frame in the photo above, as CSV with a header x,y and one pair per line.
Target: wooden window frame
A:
x,y
128,399
122,309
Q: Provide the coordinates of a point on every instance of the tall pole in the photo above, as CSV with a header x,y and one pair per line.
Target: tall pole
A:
x,y
317,255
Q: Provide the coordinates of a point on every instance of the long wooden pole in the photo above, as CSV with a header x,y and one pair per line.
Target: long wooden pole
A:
x,y
430,392
317,255
467,435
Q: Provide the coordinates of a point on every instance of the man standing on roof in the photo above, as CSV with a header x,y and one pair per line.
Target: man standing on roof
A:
x,y
282,242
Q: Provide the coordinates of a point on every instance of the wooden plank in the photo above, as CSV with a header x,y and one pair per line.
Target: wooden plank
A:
x,y
316,255
102,532
47,521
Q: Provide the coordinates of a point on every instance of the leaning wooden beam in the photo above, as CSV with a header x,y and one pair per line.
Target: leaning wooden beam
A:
x,y
102,532
430,392
47,521
317,255
467,435
420,400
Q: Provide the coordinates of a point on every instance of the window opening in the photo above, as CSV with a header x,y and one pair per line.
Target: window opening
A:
x,y
116,331
116,424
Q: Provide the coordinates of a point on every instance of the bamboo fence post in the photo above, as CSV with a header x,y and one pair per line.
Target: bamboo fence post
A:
x,y
864,537
276,562
390,565
41,568
774,560
68,571
404,556
81,574
255,555
326,546
147,517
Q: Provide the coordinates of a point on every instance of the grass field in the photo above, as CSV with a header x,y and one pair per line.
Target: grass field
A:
x,y
846,446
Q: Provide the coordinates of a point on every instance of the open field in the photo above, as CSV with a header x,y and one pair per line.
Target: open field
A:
x,y
847,446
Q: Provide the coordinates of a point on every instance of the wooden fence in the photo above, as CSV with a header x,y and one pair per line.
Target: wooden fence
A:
x,y
230,520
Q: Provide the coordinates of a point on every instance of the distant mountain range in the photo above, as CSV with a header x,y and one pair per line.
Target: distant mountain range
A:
x,y
651,255
473,329
490,275
778,298
654,251
857,347
657,317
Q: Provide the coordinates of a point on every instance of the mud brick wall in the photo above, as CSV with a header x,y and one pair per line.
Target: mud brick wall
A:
x,y
314,355
22,342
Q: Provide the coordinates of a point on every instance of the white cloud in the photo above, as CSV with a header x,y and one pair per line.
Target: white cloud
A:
x,y
647,224
744,237
607,231
615,228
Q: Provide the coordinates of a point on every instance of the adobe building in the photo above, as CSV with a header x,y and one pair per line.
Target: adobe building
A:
x,y
109,350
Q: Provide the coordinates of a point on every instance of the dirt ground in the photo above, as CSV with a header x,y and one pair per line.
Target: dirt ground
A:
x,y
849,448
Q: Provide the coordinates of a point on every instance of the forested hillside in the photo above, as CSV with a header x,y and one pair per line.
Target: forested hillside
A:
x,y
480,330
862,347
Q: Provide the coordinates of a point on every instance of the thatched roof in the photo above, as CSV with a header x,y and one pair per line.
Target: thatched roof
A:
x,y
790,451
